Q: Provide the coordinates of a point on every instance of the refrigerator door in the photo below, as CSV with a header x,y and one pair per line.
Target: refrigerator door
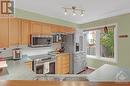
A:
x,y
69,43
80,62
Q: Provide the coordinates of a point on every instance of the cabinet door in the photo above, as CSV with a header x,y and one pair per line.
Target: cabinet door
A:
x,y
65,64
14,31
62,64
61,29
36,28
46,29
29,65
69,30
54,29
58,64
4,33
25,32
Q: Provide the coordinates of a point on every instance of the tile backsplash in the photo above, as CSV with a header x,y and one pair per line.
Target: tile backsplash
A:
x,y
28,50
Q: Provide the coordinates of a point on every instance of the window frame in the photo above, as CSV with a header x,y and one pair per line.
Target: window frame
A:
x,y
98,56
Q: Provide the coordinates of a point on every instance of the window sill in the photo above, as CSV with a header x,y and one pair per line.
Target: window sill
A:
x,y
112,60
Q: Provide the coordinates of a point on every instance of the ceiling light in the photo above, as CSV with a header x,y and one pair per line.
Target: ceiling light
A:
x,y
74,11
65,11
74,14
82,13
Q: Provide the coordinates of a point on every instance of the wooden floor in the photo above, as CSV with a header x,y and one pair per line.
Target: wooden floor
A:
x,y
60,83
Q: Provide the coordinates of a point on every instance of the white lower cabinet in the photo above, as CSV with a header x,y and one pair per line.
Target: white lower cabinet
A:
x,y
79,62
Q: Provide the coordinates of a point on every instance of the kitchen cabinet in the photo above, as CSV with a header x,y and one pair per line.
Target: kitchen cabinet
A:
x,y
14,31
36,28
25,31
46,29
69,30
61,29
54,29
62,63
4,32
80,63
29,65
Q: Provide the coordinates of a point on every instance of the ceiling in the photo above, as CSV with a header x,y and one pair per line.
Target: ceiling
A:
x,y
94,9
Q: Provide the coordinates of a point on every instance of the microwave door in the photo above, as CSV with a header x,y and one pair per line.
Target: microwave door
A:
x,y
35,41
41,41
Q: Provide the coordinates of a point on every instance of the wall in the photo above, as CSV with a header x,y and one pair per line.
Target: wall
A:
x,y
41,18
123,22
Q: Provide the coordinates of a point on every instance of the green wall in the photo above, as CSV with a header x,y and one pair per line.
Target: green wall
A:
x,y
123,22
19,13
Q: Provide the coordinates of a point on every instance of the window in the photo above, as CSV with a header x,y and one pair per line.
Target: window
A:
x,y
91,39
101,43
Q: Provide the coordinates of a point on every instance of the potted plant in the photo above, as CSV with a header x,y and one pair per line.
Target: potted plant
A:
x,y
107,41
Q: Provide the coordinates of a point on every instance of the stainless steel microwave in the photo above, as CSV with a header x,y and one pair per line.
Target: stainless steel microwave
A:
x,y
41,40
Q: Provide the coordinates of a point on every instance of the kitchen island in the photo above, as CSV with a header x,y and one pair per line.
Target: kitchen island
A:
x,y
17,70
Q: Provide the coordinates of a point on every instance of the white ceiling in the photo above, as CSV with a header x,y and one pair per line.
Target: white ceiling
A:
x,y
94,9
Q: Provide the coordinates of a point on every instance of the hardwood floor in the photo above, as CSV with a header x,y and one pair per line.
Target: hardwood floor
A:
x,y
59,83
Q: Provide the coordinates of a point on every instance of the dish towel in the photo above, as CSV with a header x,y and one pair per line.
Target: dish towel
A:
x,y
46,67
2,62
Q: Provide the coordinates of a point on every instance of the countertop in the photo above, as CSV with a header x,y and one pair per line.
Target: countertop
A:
x,y
41,56
110,73
17,70
59,83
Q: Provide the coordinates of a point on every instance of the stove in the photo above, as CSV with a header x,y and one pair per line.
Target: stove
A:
x,y
39,62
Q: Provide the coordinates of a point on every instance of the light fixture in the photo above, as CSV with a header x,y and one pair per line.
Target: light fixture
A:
x,y
65,11
82,13
74,11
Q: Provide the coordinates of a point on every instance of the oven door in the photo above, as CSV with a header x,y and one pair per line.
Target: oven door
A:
x,y
39,69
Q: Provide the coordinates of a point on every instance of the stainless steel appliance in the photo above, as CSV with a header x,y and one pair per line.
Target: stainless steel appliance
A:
x,y
77,53
44,65
58,37
80,62
41,40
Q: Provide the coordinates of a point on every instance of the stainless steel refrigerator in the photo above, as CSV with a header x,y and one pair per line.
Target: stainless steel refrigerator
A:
x,y
77,54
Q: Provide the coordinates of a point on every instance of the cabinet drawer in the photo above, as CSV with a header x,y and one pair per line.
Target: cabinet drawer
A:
x,y
29,65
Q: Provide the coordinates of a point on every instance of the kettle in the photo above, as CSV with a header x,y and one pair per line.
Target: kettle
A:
x,y
16,53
